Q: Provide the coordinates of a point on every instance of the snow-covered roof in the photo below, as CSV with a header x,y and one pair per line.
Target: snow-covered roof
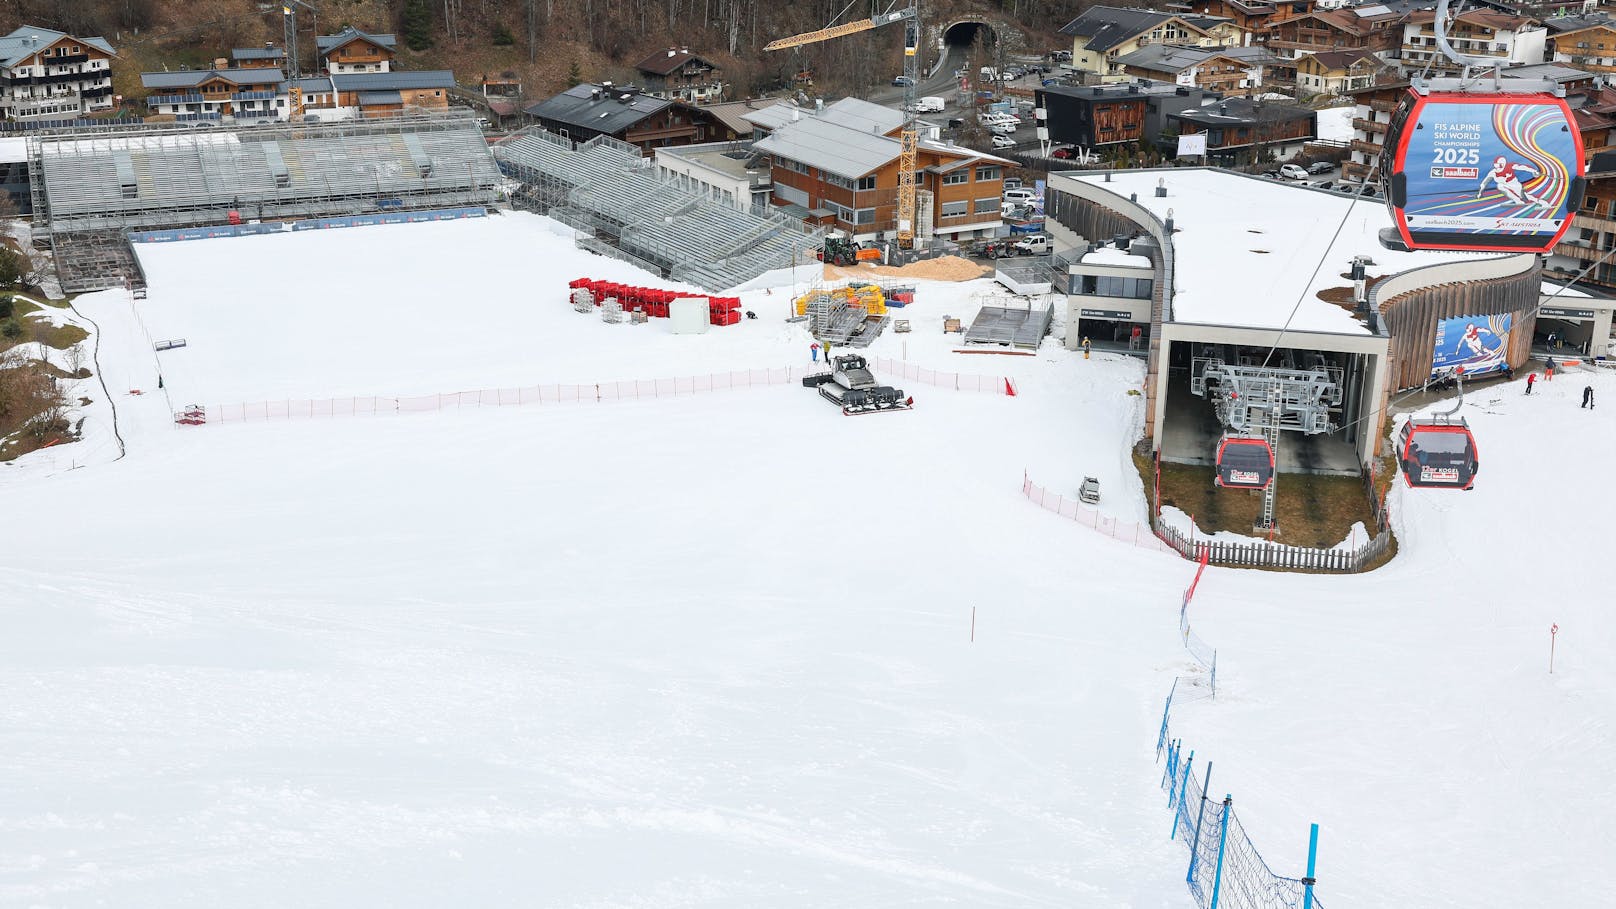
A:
x,y
1110,255
1335,123
13,149
1245,248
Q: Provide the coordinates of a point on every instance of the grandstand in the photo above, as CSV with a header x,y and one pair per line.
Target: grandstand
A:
x,y
90,187
623,208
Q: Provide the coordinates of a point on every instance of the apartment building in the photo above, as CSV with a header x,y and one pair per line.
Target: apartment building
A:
x,y
50,75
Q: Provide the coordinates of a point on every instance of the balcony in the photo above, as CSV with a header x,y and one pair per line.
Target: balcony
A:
x,y
1589,221
1580,249
68,60
1368,148
1369,126
1382,105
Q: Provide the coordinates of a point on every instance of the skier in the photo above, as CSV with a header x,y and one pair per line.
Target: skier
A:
x,y
1504,177
813,351
1551,340
1548,370
1588,397
1085,348
1133,339
1530,378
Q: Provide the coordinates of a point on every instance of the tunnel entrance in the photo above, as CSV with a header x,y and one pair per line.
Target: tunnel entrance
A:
x,y
966,34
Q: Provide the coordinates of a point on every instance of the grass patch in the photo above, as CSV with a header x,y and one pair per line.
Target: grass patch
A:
x,y
1315,510
32,329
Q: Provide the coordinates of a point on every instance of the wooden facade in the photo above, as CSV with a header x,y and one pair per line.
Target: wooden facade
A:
x,y
1334,31
1592,49
977,187
359,55
1412,319
64,78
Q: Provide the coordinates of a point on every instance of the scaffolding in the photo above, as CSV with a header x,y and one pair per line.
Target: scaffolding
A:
x,y
624,208
91,187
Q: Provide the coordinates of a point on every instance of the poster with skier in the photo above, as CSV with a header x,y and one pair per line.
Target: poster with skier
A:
x,y
1476,343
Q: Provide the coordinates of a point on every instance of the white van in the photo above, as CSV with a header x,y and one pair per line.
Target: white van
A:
x,y
930,105
1019,196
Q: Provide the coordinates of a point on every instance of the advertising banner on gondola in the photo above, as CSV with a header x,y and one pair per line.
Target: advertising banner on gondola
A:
x,y
1489,175
1476,343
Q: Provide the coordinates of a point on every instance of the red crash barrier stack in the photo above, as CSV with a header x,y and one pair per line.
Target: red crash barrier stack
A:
x,y
654,302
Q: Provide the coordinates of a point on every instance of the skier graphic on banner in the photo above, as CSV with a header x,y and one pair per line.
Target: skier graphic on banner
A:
x,y
1504,176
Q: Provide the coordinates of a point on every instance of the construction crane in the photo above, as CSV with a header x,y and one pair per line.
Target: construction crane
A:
x,y
910,141
289,21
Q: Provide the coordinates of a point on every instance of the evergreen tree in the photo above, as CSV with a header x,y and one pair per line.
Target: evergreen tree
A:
x,y
575,76
416,24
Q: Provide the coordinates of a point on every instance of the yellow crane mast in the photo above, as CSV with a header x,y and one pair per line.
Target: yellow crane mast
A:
x,y
910,137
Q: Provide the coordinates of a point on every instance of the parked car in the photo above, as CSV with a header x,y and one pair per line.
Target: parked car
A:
x,y
1019,196
1292,172
1002,129
1320,167
1012,183
902,81
956,122
1065,153
1002,141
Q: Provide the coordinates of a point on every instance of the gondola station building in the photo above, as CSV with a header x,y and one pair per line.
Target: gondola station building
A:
x,y
1210,272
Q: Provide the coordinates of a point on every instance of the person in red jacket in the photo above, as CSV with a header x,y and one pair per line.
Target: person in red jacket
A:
x,y
1530,378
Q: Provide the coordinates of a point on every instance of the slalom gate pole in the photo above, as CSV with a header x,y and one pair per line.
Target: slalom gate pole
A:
x,y
1183,785
1223,842
1312,867
1195,844
1162,736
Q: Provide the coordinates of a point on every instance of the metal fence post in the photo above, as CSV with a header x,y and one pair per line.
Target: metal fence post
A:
x,y
1223,842
1214,673
1183,787
1195,842
1312,866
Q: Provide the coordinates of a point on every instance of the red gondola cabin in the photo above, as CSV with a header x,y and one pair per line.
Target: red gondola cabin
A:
x,y
1438,454
1245,463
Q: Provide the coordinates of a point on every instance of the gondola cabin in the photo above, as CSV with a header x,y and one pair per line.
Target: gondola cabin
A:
x,y
1245,463
1494,172
1438,454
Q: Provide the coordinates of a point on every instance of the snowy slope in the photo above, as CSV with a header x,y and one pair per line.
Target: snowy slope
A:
x,y
716,650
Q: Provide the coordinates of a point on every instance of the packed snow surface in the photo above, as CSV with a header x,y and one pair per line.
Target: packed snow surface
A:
x,y
718,650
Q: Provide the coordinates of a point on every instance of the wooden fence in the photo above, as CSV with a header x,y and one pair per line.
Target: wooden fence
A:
x,y
1258,554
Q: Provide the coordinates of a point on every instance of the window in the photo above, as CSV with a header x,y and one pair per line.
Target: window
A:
x,y
990,204
954,209
834,180
866,216
991,172
867,183
957,177
1107,286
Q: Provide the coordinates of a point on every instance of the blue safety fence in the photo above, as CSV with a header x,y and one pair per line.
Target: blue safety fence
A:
x,y
242,230
1225,870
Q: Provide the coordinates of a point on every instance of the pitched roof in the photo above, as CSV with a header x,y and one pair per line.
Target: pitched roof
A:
x,y
1172,58
1339,60
257,53
863,115
663,63
191,78
29,39
599,108
329,43
1559,25
395,81
1108,26
1241,110
847,152
775,115
1490,18
733,114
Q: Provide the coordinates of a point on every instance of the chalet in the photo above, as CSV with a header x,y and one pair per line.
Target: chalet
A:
x,y
212,94
846,179
1252,16
1336,72
1104,33
47,74
1094,116
1373,29
627,114
354,51
1593,228
1591,47
388,94
678,75
1239,131
1230,71
269,56
1507,38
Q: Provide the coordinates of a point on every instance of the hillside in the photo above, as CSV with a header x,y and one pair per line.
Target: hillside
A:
x,y
548,44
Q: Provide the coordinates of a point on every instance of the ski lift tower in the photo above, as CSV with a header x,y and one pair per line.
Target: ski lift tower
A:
x,y
289,24
909,15
1260,402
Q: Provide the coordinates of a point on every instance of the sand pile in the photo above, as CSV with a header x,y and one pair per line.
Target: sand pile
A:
x,y
944,268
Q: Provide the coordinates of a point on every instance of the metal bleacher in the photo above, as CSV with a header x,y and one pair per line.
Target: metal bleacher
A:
x,y
92,186
623,208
